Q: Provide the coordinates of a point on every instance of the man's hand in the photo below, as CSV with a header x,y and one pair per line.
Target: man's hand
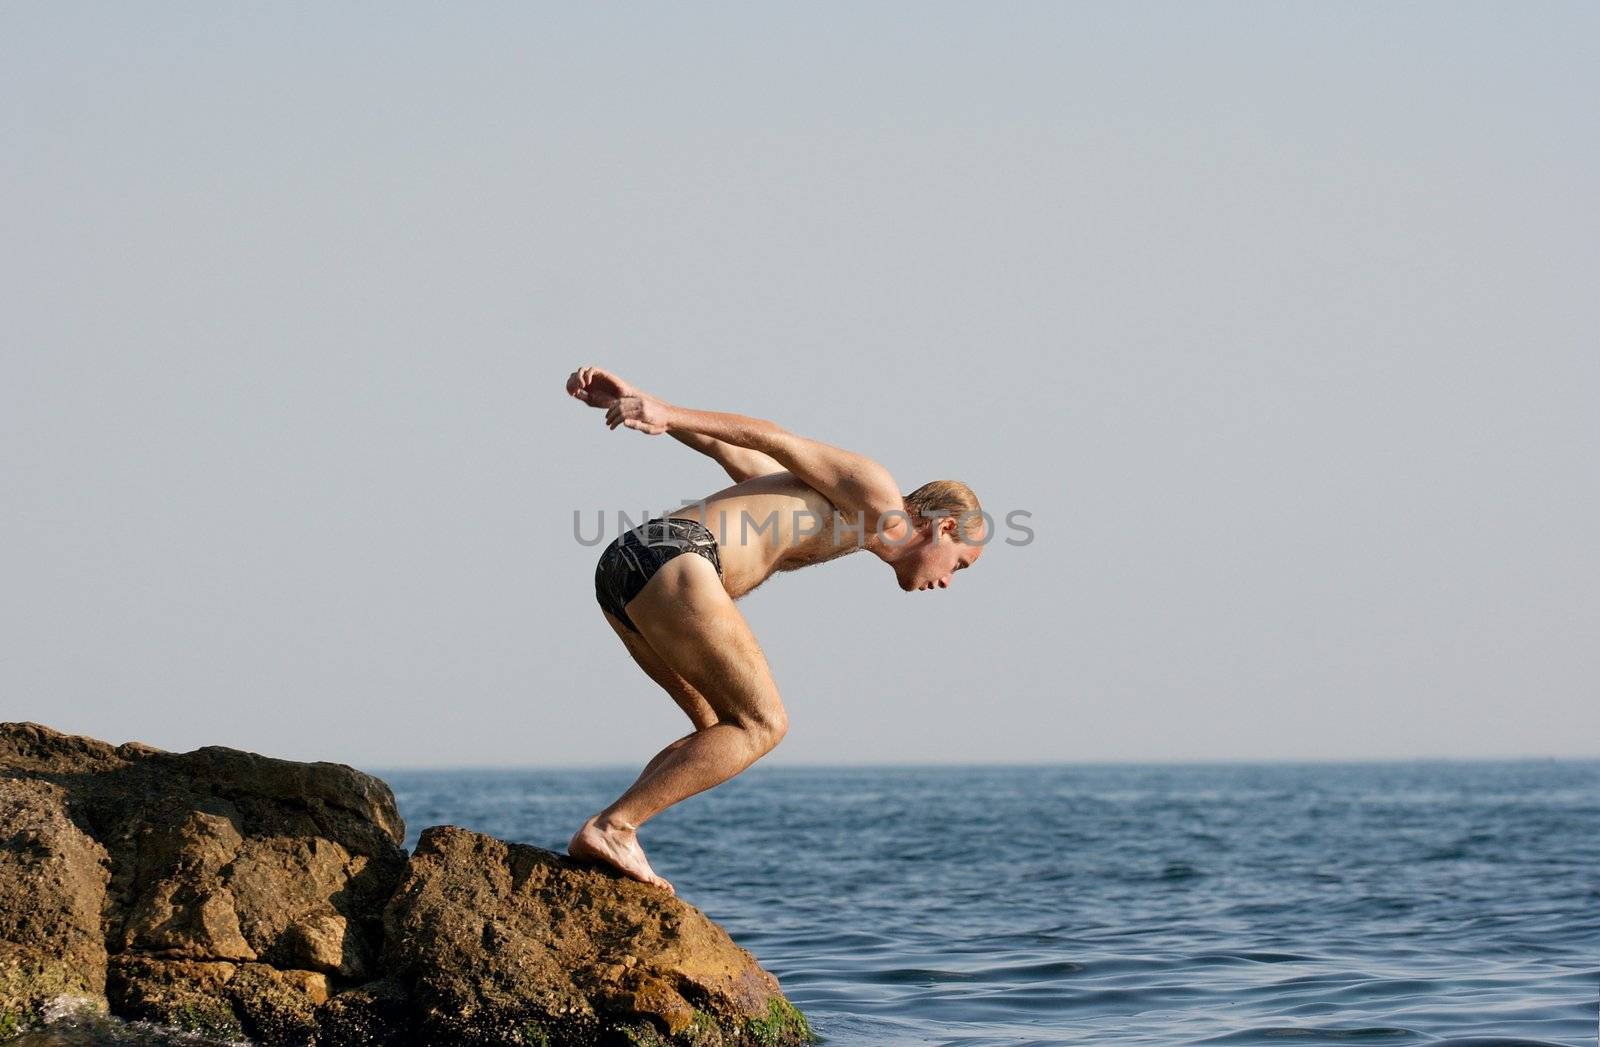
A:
x,y
644,413
599,388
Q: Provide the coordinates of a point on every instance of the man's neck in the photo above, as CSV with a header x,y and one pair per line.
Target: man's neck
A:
x,y
885,549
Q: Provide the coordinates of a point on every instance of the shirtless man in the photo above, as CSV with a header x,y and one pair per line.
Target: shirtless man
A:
x,y
794,502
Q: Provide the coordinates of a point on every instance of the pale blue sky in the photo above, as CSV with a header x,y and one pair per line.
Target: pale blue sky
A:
x,y
1279,318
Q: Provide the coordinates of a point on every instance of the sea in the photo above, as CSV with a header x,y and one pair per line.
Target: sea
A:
x,y
1431,903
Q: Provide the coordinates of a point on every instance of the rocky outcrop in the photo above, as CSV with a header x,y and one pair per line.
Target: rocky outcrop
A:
x,y
234,895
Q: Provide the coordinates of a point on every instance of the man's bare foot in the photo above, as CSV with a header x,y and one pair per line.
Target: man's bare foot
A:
x,y
617,847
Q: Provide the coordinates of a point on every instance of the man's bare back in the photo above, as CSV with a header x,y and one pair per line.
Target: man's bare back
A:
x,y
794,502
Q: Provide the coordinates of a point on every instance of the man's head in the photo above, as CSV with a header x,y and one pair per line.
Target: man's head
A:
x,y
946,535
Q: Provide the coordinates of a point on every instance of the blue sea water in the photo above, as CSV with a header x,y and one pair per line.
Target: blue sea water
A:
x,y
1435,903
1432,903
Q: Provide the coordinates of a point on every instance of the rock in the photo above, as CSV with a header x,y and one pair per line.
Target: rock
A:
x,y
183,994
234,895
53,879
318,942
227,887
492,936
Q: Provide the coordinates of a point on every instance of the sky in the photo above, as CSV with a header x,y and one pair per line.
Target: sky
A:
x,y
1278,320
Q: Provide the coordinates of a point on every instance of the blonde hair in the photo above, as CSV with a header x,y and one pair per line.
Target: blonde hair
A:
x,y
946,498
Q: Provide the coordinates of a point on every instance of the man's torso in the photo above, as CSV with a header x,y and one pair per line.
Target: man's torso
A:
x,y
772,523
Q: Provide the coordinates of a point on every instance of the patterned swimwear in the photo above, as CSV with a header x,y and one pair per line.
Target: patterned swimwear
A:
x,y
634,557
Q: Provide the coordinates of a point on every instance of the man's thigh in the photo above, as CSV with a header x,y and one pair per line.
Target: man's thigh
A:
x,y
691,622
689,700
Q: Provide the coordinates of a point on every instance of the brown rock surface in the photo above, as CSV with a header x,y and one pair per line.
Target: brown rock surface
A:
x,y
52,890
490,935
231,894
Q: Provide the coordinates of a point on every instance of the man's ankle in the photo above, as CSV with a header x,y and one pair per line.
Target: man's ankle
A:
x,y
613,823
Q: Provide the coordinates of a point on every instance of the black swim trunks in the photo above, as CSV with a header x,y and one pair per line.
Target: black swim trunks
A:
x,y
636,555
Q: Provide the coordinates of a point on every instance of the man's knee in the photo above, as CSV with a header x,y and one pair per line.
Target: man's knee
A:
x,y
777,726
766,728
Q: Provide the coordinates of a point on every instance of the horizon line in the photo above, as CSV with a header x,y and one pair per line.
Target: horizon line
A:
x,y
1024,764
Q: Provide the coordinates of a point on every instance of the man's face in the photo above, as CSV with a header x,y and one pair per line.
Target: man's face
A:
x,y
938,554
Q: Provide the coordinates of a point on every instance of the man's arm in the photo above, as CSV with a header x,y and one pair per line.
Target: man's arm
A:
x,y
741,463
852,482
600,388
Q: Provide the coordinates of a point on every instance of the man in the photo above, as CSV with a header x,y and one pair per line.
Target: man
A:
x,y
794,502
